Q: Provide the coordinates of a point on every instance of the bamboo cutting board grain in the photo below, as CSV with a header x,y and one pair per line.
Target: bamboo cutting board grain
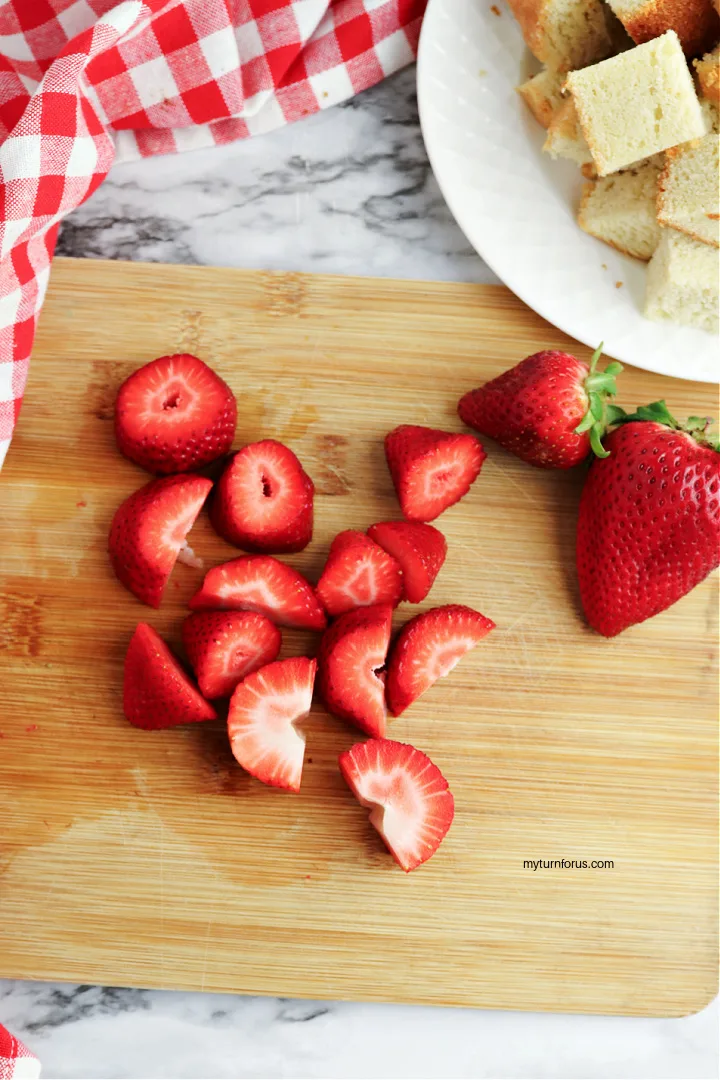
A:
x,y
151,859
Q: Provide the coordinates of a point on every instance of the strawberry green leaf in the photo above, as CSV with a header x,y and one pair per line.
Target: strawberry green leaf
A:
x,y
598,448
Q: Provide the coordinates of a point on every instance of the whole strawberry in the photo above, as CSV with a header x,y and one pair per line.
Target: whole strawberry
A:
x,y
549,410
649,524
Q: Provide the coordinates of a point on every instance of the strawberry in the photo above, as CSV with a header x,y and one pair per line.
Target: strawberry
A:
x,y
419,549
549,410
174,415
148,533
264,500
428,648
408,797
352,655
431,469
649,523
358,573
225,646
262,583
261,721
156,691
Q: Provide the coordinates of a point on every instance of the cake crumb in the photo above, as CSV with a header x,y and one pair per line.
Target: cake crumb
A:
x,y
495,9
618,284
604,266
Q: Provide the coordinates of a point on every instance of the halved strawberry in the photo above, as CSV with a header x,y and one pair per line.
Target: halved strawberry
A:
x,y
264,500
148,532
261,722
431,469
408,797
351,678
156,691
358,573
419,549
174,414
261,583
225,646
428,647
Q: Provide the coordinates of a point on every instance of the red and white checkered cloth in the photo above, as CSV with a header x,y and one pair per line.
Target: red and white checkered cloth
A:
x,y
16,1061
83,82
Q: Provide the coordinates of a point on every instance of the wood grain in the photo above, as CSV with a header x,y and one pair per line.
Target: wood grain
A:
x,y
152,860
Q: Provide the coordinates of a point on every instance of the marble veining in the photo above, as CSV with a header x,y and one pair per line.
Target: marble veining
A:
x,y
349,191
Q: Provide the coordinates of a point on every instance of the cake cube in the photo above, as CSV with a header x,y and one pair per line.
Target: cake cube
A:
x,y
682,282
708,72
621,209
565,138
637,104
542,94
565,34
695,22
689,190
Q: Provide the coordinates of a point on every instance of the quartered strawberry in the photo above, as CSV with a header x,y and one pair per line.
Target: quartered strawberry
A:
x,y
351,676
419,549
408,797
649,522
264,500
264,710
428,647
358,573
148,532
225,646
174,414
548,410
431,469
261,583
156,691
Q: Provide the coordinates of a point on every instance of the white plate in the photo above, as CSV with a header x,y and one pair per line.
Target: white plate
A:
x,y
516,205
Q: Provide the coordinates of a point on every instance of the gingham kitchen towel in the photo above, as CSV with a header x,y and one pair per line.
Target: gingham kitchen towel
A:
x,y
16,1061
85,81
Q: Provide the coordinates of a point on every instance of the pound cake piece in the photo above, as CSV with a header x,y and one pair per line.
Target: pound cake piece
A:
x,y
637,104
565,34
621,209
695,22
712,116
689,190
708,73
565,138
682,282
542,94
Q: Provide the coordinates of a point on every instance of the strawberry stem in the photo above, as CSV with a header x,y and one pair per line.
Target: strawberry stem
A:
x,y
600,386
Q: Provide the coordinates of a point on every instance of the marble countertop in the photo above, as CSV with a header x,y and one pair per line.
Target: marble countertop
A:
x,y
349,191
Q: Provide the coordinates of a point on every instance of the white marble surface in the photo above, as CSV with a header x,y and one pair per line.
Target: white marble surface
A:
x,y
349,191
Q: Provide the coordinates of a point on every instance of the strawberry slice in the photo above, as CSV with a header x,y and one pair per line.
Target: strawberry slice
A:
x,y
352,655
408,797
225,646
262,583
358,573
264,500
419,549
148,533
174,414
431,469
156,691
428,648
261,722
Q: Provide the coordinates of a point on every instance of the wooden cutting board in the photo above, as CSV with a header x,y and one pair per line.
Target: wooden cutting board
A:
x,y
144,859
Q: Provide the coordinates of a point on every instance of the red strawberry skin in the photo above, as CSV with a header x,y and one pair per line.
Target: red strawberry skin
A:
x,y
261,583
358,573
351,652
419,549
532,410
226,646
428,648
174,415
407,795
261,721
264,500
156,691
649,524
149,529
431,470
